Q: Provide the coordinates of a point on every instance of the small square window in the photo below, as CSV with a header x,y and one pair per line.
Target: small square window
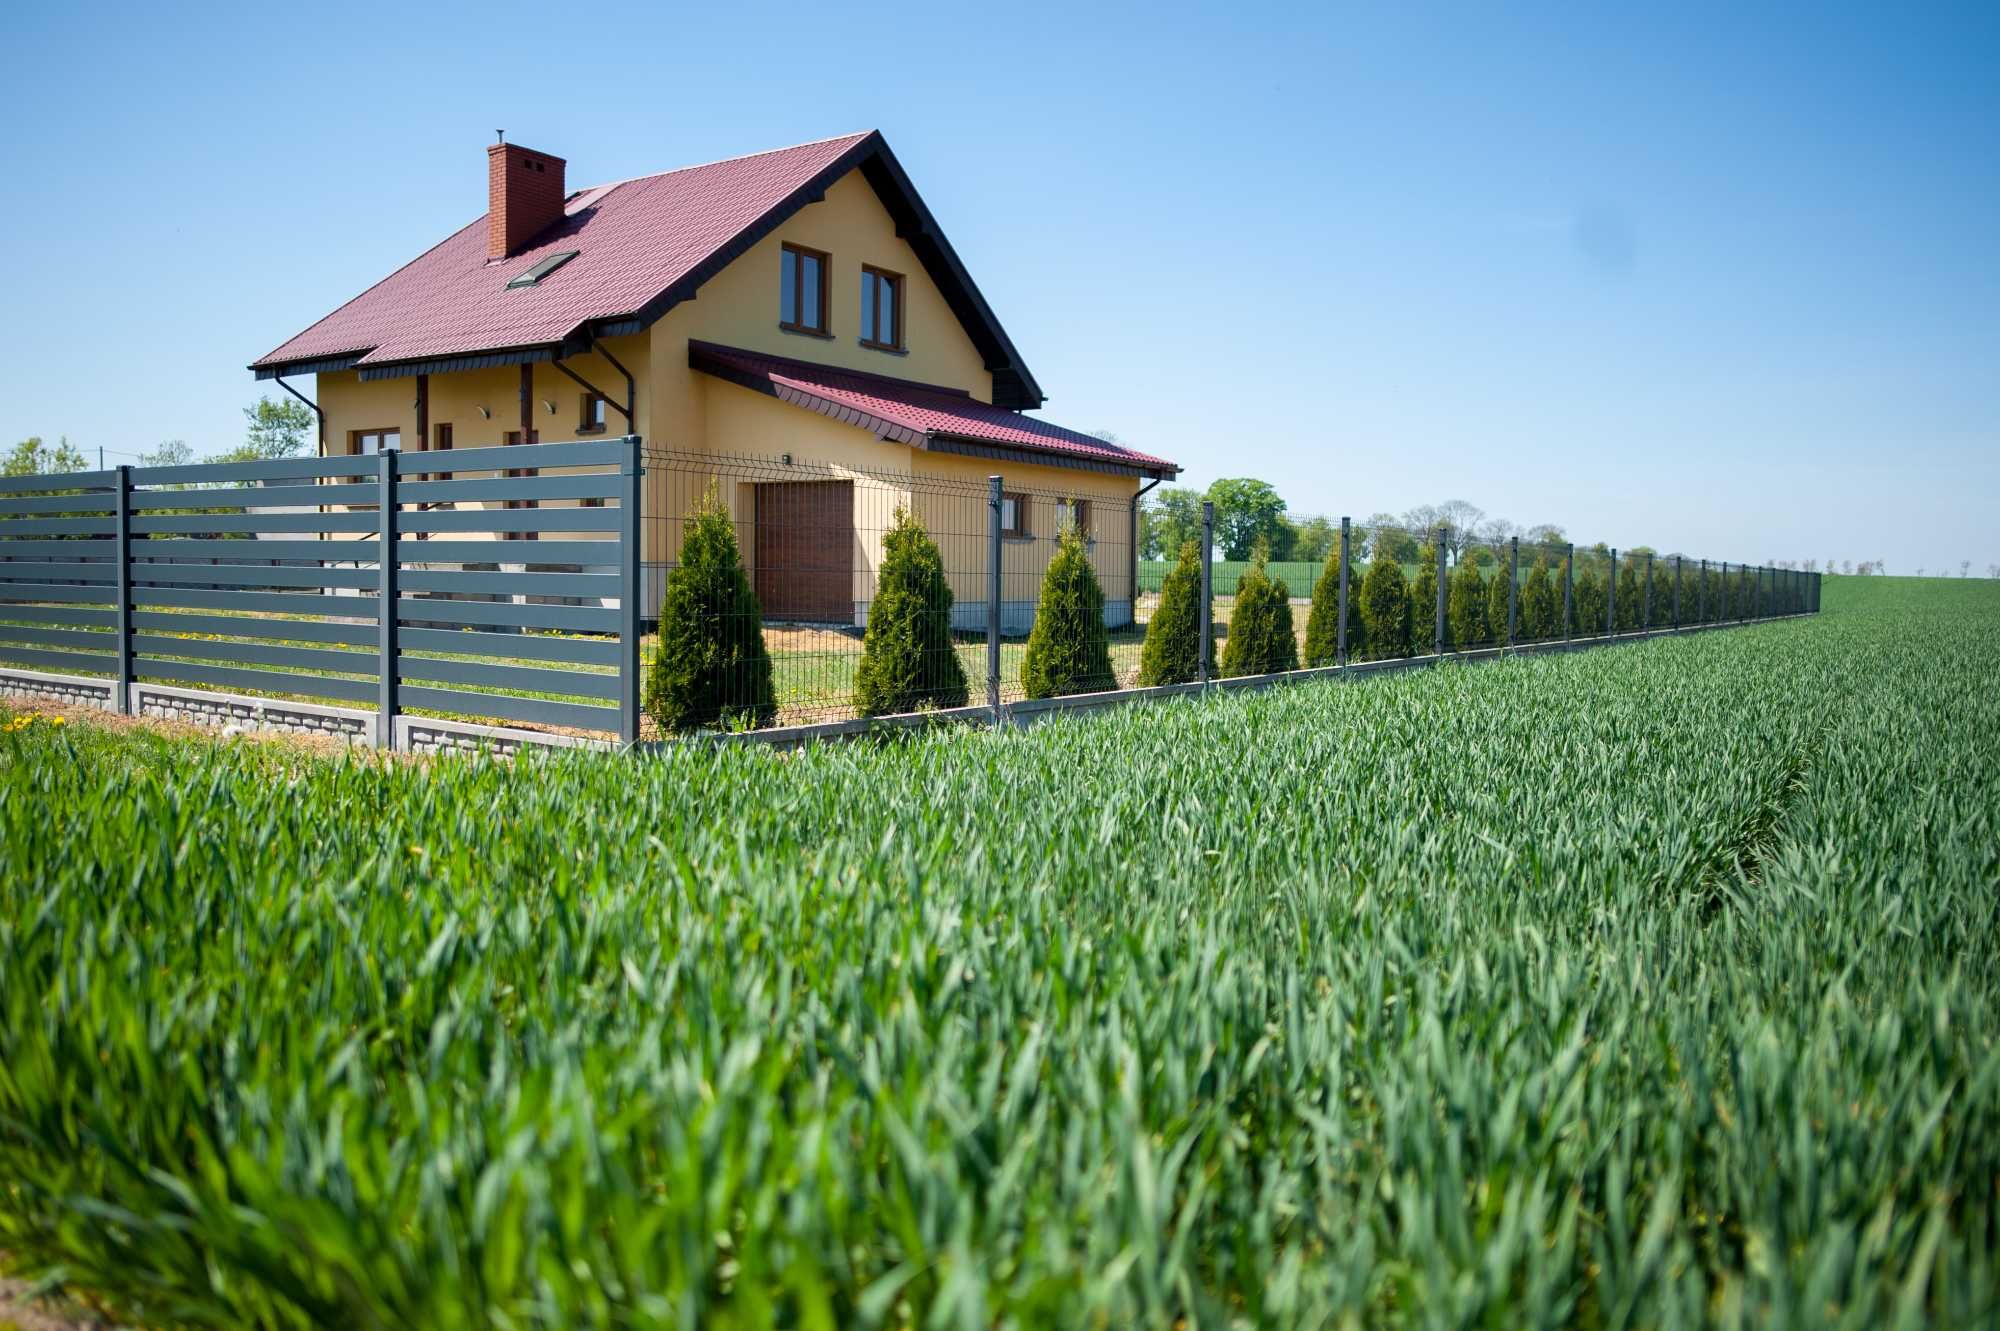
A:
x,y
592,420
1013,515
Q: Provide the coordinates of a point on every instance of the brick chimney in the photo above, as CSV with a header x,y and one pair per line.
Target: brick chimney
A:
x,y
524,196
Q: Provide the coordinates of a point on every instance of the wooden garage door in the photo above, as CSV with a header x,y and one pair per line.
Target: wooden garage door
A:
x,y
805,551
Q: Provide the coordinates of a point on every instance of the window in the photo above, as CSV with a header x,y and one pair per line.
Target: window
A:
x,y
1013,515
802,293
541,270
592,419
364,442
1073,512
881,309
443,441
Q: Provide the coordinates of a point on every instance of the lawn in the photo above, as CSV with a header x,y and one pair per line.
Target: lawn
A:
x,y
1648,986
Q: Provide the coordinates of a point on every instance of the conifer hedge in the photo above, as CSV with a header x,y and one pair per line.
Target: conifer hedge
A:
x,y
1423,599
1323,621
1496,600
1586,603
1385,611
711,669
1631,597
1465,606
907,659
1172,652
1261,640
1540,603
1068,649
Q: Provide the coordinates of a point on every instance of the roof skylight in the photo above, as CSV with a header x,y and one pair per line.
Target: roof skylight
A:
x,y
541,269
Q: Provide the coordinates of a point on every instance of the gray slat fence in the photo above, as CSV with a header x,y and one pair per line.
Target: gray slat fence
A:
x,y
471,583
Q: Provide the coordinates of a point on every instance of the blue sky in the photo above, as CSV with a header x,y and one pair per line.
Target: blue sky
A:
x,y
1688,276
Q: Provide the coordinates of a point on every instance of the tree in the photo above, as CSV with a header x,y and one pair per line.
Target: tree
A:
x,y
1172,519
1461,520
1312,540
1546,533
1423,597
170,453
1068,649
1586,601
1323,620
32,457
1628,609
1540,602
1385,610
1497,588
1261,639
1386,538
1465,605
907,660
711,669
1172,652
277,429
1246,511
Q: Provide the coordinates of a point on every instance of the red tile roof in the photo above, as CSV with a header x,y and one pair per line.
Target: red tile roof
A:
x,y
924,415
635,240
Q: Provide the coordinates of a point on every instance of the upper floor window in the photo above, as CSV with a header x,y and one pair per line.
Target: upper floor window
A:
x,y
881,309
802,293
592,419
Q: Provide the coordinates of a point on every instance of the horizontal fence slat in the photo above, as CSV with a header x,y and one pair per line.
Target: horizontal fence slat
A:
x,y
509,519
505,457
251,653
51,614
75,638
67,480
49,570
257,626
525,646
505,614
269,681
58,526
85,503
75,548
258,603
601,485
247,496
92,594
277,523
535,679
256,575
581,716
584,586
503,552
247,548
237,473
69,663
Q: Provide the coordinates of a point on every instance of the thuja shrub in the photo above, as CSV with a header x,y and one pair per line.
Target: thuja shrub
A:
x,y
1465,605
1497,588
1260,640
711,669
1172,653
1587,602
1631,598
1423,599
1385,611
1068,649
1323,620
1540,602
907,660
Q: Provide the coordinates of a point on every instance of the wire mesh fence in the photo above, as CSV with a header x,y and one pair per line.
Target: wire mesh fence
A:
x,y
858,591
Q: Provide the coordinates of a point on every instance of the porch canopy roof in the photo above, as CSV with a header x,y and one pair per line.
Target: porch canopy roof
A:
x,y
926,416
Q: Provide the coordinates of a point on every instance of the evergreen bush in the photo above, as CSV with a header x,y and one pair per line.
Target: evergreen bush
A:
x,y
1423,600
1068,649
1465,606
1540,603
1172,654
1587,602
1630,606
1496,600
711,669
1261,639
907,660
1385,611
1323,621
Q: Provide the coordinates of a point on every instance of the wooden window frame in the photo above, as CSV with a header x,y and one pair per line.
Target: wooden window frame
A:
x,y
354,438
1077,512
792,253
894,282
1019,531
586,420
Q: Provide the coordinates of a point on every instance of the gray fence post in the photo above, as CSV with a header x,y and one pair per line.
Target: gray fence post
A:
x,y
630,498
1569,582
389,559
1437,646
1611,596
1340,651
121,687
1513,586
994,500
1207,590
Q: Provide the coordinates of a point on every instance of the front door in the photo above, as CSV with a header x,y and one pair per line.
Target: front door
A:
x,y
804,551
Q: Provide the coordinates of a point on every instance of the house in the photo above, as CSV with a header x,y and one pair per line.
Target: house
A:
x,y
798,307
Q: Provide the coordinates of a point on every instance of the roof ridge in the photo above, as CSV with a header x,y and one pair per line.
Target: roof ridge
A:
x,y
724,161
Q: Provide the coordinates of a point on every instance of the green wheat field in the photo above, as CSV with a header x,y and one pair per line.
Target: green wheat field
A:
x,y
1651,986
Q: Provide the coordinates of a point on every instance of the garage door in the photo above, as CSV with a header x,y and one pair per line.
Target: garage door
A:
x,y
805,551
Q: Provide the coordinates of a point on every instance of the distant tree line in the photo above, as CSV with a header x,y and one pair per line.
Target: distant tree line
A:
x,y
272,429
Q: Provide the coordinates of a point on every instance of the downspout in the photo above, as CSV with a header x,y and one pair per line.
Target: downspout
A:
x,y
631,392
1144,490
279,379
